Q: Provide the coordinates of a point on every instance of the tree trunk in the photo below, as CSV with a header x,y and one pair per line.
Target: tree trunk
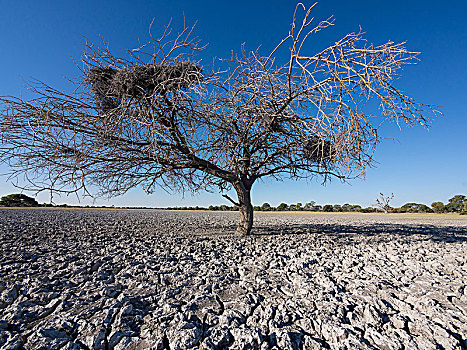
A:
x,y
245,208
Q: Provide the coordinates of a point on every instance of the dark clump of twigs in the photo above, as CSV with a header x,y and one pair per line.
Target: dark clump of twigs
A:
x,y
111,85
318,150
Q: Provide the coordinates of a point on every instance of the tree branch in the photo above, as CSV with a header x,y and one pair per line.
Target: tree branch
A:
x,y
230,199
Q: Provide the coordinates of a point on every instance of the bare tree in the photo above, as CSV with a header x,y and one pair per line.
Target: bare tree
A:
x,y
382,202
158,117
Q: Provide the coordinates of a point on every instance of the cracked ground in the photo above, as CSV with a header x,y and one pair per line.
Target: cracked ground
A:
x,y
121,279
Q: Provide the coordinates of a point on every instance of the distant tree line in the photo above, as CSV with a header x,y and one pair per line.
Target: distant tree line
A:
x,y
457,204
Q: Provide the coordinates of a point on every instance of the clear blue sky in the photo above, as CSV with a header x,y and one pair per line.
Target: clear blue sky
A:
x,y
40,38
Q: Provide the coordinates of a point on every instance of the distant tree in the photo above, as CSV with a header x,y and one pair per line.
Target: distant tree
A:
x,y
299,206
266,207
18,200
438,207
424,209
382,202
456,203
415,208
282,207
367,210
328,208
337,208
309,206
158,117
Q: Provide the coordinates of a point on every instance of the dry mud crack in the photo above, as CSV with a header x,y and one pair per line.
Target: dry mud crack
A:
x,y
97,279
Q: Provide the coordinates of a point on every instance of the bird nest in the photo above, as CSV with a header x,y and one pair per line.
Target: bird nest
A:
x,y
111,85
319,150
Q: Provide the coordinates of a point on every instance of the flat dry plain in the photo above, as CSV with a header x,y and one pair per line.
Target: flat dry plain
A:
x,y
129,279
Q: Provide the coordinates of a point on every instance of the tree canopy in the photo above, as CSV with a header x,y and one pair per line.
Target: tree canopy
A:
x,y
160,117
18,200
456,203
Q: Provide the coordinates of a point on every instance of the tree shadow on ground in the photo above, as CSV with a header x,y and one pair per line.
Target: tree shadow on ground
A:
x,y
375,232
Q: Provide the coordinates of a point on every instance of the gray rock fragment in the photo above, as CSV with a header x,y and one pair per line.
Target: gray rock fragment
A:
x,y
184,335
217,338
